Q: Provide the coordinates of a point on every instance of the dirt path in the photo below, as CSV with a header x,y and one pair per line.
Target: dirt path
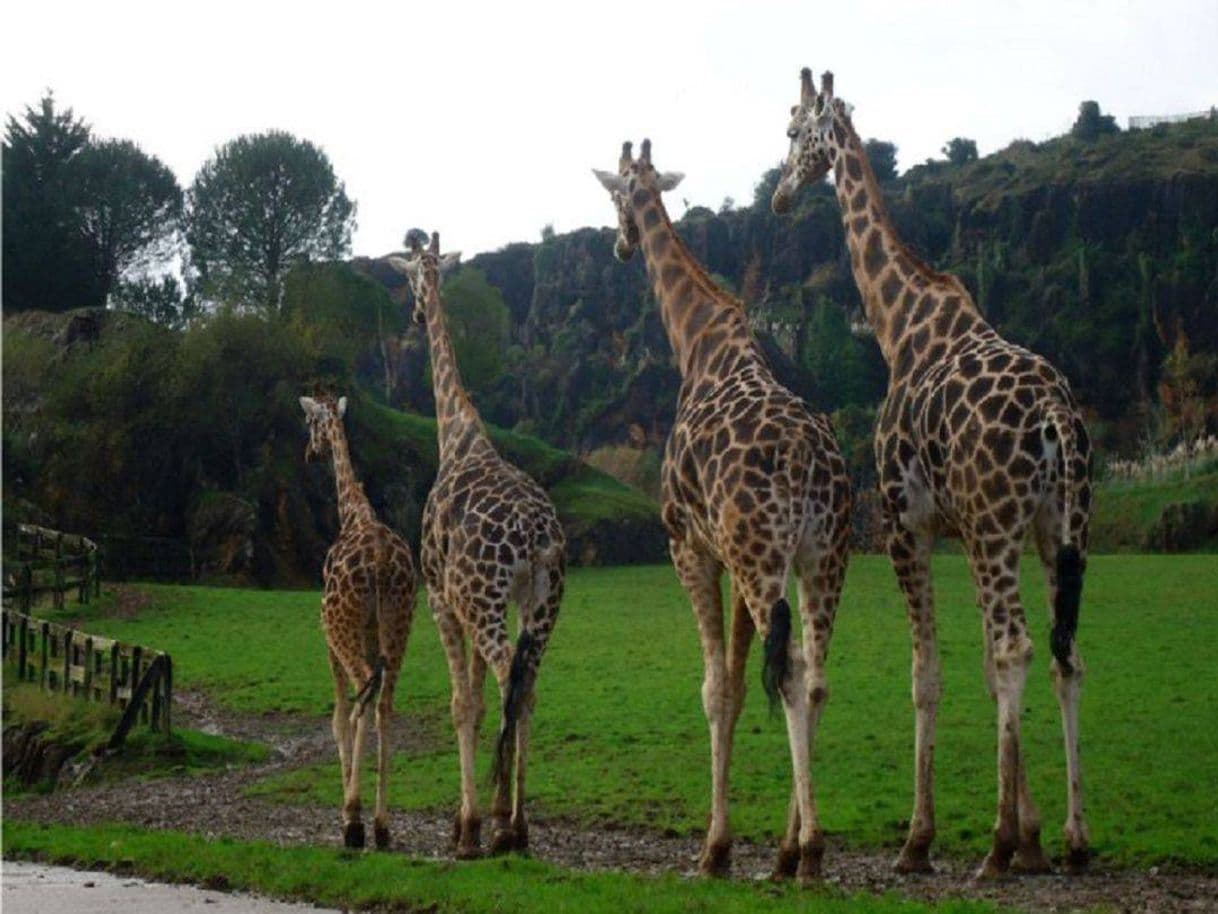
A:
x,y
215,805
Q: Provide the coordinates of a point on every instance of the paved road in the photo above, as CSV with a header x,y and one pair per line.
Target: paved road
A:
x,y
31,888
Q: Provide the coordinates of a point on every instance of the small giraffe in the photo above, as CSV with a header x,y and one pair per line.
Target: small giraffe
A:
x,y
753,482
977,438
367,609
490,537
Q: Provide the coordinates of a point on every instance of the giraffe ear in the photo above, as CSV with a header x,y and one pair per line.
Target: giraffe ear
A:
x,y
669,179
615,184
401,264
309,405
342,407
449,262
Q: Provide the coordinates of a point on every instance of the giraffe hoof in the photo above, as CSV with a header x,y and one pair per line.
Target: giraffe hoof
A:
x,y
381,836
1077,859
810,857
993,868
469,852
913,860
353,835
504,842
716,860
1030,860
787,863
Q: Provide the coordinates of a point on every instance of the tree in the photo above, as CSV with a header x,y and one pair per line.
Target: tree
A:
x,y
128,209
883,158
161,300
46,265
479,323
262,203
1091,124
960,150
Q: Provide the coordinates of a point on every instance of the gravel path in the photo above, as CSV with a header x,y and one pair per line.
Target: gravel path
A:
x,y
215,805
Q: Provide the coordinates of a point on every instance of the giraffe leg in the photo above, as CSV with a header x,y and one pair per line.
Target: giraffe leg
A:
x,y
995,571
343,731
353,827
384,720
492,644
699,574
541,623
1068,687
910,555
467,827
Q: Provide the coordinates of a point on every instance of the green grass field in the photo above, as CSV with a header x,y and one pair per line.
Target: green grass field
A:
x,y
620,735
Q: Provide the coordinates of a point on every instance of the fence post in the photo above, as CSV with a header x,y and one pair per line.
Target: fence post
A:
x,y
137,655
26,599
44,667
65,685
88,683
114,664
22,627
168,682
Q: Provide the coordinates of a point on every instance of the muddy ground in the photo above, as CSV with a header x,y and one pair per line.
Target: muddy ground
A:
x,y
214,805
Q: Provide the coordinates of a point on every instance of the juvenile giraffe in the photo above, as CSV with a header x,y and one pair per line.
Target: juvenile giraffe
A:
x,y
367,609
977,438
490,537
753,482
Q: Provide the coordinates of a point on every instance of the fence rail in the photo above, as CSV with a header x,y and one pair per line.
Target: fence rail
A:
x,y
71,662
49,561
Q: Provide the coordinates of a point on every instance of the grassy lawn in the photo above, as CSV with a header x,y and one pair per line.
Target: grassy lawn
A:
x,y
391,881
620,734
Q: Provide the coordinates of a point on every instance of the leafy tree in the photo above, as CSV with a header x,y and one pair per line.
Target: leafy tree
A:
x,y
1091,124
45,264
262,203
161,300
479,323
883,158
960,150
128,208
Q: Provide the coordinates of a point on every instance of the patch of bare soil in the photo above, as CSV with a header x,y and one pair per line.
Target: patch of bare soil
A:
x,y
215,805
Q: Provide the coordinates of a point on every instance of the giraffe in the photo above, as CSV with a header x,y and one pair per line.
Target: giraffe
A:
x,y
752,482
978,439
490,537
367,609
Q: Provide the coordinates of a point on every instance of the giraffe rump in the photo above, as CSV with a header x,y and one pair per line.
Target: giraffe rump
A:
x,y
513,700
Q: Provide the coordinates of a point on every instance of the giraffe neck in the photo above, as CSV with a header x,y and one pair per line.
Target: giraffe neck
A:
x,y
353,504
458,424
707,328
892,281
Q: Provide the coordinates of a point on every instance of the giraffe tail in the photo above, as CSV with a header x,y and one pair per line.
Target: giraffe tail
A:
x,y
1059,429
513,700
776,656
371,689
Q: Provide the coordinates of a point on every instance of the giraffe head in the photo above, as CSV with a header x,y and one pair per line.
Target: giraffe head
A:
x,y
323,416
633,175
424,267
817,137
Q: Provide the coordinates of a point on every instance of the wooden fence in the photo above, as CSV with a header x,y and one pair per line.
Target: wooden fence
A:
x,y
71,662
48,561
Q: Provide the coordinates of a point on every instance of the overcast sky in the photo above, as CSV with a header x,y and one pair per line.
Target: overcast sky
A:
x,y
483,120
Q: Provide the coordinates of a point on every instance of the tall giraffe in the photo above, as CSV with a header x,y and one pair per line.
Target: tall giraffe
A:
x,y
753,482
490,536
367,609
977,438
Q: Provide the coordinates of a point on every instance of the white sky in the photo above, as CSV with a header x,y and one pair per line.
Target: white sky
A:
x,y
482,120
